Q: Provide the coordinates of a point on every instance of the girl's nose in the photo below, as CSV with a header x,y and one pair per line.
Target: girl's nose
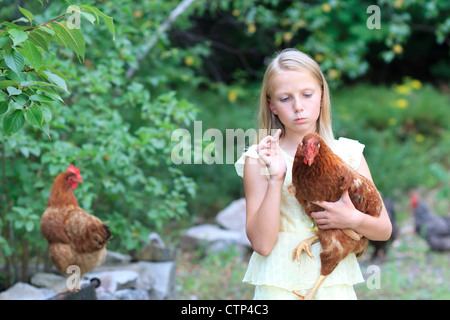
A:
x,y
297,106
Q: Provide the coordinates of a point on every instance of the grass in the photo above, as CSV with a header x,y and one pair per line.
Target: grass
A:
x,y
410,272
217,276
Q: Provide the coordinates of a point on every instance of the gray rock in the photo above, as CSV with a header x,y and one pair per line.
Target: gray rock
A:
x,y
233,217
129,294
212,235
113,257
24,291
164,276
112,281
49,280
156,250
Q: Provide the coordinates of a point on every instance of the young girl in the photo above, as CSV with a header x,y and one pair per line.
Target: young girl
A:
x,y
294,101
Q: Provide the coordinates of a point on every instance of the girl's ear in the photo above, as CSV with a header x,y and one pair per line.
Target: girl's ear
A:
x,y
271,107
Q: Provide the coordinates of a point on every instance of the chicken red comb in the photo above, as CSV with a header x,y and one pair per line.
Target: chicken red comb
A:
x,y
414,200
73,169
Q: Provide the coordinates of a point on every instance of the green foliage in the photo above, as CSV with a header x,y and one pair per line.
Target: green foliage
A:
x,y
404,128
29,85
335,33
115,128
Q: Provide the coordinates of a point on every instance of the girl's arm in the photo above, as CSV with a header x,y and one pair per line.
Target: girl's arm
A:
x,y
263,196
343,215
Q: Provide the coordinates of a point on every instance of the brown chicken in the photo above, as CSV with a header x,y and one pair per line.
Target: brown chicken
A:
x,y
320,175
75,237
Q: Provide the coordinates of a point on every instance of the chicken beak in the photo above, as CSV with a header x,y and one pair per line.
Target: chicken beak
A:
x,y
80,179
309,162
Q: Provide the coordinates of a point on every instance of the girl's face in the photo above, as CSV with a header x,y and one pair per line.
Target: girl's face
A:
x,y
296,98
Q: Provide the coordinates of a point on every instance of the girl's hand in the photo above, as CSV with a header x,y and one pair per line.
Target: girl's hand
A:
x,y
341,214
269,152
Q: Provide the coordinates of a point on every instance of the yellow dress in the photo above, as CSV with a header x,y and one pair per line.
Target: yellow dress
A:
x,y
276,275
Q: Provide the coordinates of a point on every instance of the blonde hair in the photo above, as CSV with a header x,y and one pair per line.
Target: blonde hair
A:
x,y
293,59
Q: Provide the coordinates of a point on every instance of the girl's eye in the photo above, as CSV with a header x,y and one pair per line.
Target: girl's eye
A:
x,y
284,99
307,95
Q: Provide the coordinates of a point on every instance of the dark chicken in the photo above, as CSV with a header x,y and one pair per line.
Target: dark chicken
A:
x,y
433,228
318,174
75,237
381,247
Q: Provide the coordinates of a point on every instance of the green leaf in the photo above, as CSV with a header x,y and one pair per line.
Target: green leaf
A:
x,y
41,98
109,22
13,91
88,16
7,83
17,36
13,122
56,80
32,54
29,226
47,29
70,37
26,13
3,41
34,116
47,113
14,61
3,107
40,39
51,93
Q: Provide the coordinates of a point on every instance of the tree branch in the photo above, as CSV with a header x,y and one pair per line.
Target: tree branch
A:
x,y
162,28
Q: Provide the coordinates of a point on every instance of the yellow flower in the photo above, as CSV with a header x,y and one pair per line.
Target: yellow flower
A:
x,y
398,3
189,61
326,7
299,24
232,95
251,28
402,89
398,49
420,138
402,103
318,57
287,36
333,74
236,12
416,84
392,121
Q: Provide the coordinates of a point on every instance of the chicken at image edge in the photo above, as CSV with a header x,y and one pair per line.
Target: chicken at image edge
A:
x,y
75,237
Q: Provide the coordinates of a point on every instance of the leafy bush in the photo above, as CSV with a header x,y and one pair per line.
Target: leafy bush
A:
x,y
338,34
112,126
405,129
28,85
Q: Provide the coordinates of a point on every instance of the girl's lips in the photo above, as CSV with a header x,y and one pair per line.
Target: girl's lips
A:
x,y
300,120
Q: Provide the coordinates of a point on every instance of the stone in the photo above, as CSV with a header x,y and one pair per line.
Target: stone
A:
x,y
233,216
25,291
113,257
164,276
155,250
113,281
129,294
212,235
52,281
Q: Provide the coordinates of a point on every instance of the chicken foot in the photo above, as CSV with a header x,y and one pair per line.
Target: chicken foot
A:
x,y
310,295
305,245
